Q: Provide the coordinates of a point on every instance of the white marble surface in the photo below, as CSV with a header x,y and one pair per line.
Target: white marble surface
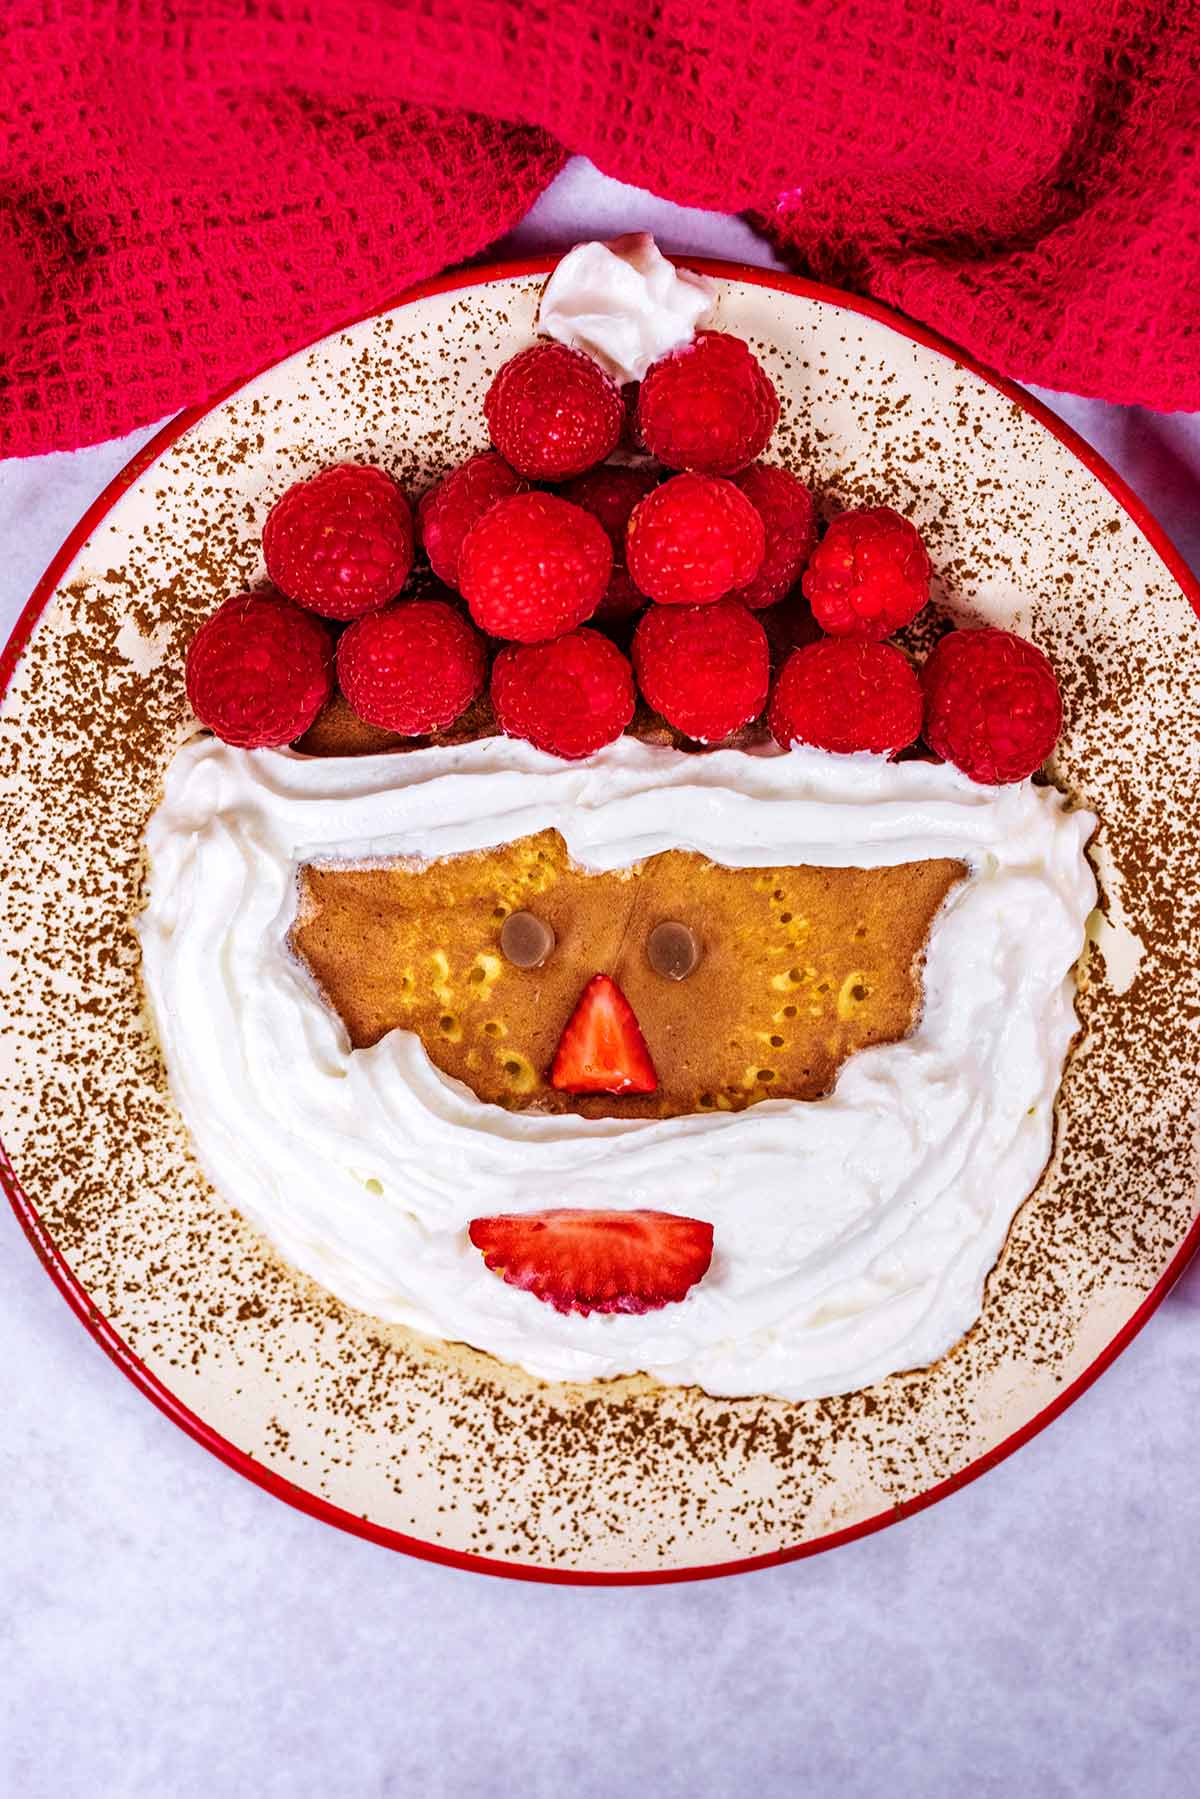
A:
x,y
168,1629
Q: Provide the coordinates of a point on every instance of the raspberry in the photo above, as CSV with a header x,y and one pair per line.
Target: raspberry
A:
x,y
708,407
843,694
259,671
340,544
610,494
459,500
868,575
568,697
553,412
412,668
533,567
693,539
992,705
621,599
789,517
789,625
705,668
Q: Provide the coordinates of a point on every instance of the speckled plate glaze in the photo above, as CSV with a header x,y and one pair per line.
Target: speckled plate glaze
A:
x,y
433,1448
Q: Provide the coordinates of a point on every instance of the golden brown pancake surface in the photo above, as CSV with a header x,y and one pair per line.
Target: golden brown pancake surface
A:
x,y
799,967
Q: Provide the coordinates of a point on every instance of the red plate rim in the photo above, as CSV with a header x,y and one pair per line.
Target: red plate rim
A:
x,y
102,1331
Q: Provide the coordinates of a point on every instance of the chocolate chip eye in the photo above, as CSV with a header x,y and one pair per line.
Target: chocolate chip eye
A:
x,y
526,939
672,950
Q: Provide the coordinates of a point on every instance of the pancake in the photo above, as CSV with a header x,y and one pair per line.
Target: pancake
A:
x,y
336,731
800,967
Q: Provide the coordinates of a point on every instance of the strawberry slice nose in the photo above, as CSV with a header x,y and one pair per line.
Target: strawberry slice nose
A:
x,y
602,1049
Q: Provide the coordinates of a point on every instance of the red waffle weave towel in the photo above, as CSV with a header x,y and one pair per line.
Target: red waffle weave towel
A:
x,y
190,188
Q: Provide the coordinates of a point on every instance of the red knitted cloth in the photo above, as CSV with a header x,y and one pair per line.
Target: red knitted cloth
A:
x,y
189,188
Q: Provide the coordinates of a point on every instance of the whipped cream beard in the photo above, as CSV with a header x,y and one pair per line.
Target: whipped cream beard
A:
x,y
623,304
853,1234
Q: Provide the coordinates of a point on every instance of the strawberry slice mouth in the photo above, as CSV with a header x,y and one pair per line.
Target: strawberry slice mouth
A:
x,y
578,1260
602,1049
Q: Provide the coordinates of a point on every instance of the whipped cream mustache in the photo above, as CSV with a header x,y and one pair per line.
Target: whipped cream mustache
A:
x,y
853,1234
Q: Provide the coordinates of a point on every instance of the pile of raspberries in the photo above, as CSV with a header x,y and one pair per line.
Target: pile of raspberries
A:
x,y
569,581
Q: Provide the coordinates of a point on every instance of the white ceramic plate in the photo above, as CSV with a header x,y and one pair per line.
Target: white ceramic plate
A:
x,y
436,1449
